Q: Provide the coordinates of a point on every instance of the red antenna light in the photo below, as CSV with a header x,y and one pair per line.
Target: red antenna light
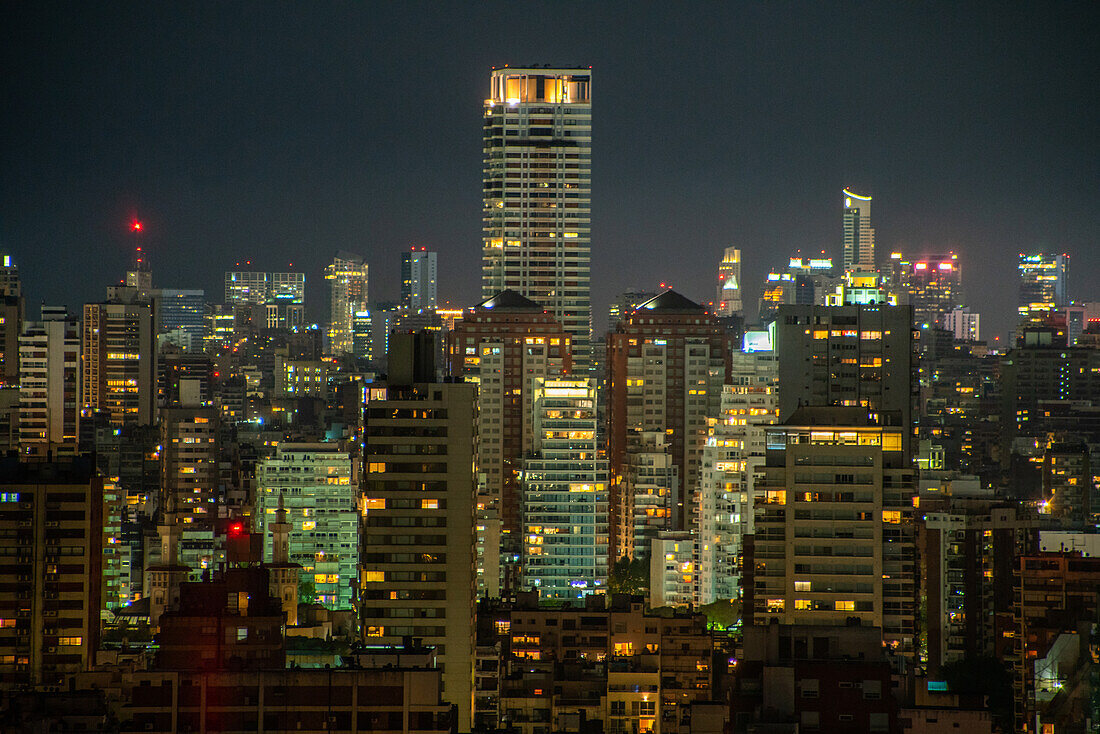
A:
x,y
136,226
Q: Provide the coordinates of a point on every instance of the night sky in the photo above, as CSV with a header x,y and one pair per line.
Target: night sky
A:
x,y
282,132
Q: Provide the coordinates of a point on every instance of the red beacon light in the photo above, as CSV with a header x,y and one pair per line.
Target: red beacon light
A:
x,y
136,226
236,529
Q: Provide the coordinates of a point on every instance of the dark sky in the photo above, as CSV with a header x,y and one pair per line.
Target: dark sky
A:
x,y
281,132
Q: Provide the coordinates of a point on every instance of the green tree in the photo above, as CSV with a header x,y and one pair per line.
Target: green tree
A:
x,y
629,576
307,592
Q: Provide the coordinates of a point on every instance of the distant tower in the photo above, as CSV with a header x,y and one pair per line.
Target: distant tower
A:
x,y
728,301
1042,284
418,285
347,277
537,199
859,235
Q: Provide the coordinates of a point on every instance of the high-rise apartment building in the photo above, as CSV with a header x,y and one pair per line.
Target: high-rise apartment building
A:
x,y
1042,284
418,540
418,279
834,537
505,345
286,306
859,235
537,186
314,482
732,458
856,355
119,353
728,300
667,362
347,277
49,382
189,461
51,516
564,484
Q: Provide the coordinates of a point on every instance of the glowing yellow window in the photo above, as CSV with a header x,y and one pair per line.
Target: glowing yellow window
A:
x,y
891,516
372,577
376,631
845,606
801,603
309,525
429,504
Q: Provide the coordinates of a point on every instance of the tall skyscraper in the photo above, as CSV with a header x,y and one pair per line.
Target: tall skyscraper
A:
x,y
417,559
119,373
537,193
728,300
859,236
1042,284
504,346
347,277
418,279
49,382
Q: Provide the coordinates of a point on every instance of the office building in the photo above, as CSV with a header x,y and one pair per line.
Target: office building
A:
x,y
288,288
859,235
51,515
1042,285
504,346
119,354
418,279
834,534
243,286
417,557
347,278
934,287
565,498
537,209
315,484
286,305
181,317
732,458
857,355
667,362
49,383
728,300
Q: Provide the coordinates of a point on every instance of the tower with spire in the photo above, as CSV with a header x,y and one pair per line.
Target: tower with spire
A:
x,y
166,577
282,573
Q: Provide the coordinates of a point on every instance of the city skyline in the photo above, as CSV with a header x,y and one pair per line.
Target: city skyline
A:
x,y
960,164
